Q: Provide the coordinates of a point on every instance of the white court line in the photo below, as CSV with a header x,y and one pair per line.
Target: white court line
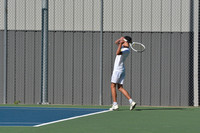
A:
x,y
43,124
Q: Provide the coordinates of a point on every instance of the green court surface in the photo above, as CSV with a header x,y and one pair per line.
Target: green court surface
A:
x,y
140,120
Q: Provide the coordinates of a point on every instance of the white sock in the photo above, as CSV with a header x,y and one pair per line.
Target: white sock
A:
x,y
130,101
114,103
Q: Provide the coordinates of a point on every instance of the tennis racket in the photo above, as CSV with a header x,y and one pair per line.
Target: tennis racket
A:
x,y
137,47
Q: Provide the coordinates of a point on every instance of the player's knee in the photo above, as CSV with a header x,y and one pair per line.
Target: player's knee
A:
x,y
120,87
112,85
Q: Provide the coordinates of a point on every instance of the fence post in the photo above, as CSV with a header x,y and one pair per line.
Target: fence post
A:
x,y
195,30
44,82
5,50
101,56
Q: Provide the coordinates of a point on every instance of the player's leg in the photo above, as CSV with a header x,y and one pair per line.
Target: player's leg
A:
x,y
125,93
114,97
113,91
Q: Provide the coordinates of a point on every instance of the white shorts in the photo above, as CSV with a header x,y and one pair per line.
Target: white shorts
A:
x,y
118,77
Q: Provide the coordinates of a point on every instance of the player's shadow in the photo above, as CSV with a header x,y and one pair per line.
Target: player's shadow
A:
x,y
159,109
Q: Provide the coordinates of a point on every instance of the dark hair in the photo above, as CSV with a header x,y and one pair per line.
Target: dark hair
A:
x,y
128,38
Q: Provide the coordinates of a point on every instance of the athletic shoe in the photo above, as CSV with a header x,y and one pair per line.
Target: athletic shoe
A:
x,y
132,105
114,107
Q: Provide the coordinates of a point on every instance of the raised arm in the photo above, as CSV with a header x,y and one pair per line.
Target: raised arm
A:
x,y
118,41
119,48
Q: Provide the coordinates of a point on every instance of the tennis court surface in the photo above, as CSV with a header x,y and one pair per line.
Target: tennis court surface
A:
x,y
39,116
24,118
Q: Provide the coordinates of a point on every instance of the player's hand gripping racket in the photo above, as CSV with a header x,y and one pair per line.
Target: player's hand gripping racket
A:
x,y
136,46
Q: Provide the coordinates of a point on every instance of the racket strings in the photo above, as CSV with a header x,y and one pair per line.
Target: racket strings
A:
x,y
138,47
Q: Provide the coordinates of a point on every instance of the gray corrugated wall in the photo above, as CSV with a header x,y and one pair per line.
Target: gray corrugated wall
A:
x,y
1,65
11,73
24,66
159,76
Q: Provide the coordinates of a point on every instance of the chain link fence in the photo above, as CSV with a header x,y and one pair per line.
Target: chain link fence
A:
x,y
160,76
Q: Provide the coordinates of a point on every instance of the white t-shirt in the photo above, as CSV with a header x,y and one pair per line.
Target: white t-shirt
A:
x,y
120,59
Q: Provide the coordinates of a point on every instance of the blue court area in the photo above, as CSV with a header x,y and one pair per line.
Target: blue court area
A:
x,y
31,116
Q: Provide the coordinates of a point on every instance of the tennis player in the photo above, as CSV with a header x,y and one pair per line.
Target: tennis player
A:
x,y
118,74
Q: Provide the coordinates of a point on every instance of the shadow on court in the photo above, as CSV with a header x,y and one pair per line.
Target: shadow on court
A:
x,y
160,109
154,109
